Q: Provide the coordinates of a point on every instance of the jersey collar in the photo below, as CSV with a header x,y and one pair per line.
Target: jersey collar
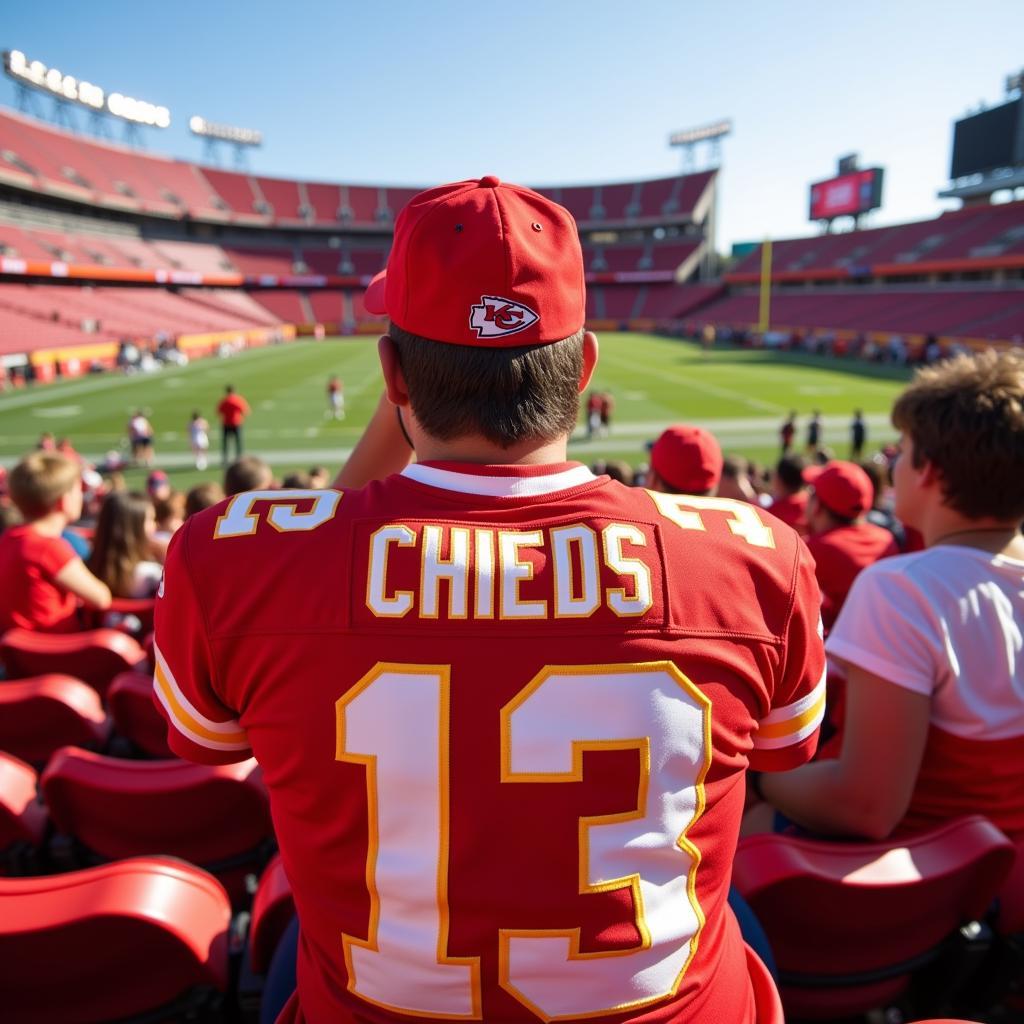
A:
x,y
499,481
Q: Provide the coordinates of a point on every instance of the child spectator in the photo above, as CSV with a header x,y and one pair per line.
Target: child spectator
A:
x,y
931,642
41,577
121,546
203,496
319,477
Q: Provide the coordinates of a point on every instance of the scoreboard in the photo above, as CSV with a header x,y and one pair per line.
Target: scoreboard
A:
x,y
989,140
846,195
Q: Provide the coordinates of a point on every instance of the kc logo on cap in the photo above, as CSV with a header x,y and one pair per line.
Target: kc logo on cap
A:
x,y
495,317
483,263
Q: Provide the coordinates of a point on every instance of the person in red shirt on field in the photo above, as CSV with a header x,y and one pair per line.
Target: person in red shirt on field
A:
x,y
232,410
841,539
481,689
41,577
789,493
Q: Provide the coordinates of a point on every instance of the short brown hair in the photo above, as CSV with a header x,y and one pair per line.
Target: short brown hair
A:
x,y
507,395
40,480
203,496
966,416
248,473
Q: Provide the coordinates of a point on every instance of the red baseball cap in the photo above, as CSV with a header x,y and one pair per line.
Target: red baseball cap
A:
x,y
483,263
844,489
688,459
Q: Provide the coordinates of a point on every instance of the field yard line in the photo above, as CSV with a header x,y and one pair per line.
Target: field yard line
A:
x,y
711,389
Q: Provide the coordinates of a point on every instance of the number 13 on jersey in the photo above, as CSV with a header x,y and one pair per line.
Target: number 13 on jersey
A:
x,y
395,723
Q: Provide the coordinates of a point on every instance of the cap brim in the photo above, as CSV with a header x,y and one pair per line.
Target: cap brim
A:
x,y
811,473
374,300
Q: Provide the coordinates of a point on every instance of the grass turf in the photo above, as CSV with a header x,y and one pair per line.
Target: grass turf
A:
x,y
742,395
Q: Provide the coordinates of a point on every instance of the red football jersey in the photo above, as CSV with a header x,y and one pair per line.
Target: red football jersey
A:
x,y
28,595
504,715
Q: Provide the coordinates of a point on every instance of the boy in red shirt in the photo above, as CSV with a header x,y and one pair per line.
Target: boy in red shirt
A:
x,y
232,411
41,577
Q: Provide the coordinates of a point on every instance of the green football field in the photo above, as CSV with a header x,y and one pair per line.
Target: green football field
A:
x,y
742,395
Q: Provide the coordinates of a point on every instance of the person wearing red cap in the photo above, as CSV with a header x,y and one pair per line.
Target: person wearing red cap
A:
x,y
841,539
931,642
503,706
686,460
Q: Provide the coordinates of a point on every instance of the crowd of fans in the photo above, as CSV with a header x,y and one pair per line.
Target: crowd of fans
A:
x,y
916,553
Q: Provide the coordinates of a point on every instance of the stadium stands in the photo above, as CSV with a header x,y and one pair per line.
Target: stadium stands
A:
x,y
966,313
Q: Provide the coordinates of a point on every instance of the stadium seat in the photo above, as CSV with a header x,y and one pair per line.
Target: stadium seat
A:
x,y
141,608
766,995
852,924
272,909
113,943
216,816
43,713
130,702
94,656
22,816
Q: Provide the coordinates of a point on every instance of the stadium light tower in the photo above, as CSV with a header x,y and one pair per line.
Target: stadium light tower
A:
x,y
690,139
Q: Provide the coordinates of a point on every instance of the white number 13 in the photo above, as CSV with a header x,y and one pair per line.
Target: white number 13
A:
x,y
395,723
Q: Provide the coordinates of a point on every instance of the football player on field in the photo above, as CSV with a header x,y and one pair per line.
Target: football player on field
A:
x,y
504,707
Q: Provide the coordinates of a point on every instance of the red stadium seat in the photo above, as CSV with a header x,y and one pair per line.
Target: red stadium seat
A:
x,y
112,942
121,808
94,656
130,702
766,995
214,816
41,714
850,923
272,909
141,608
22,816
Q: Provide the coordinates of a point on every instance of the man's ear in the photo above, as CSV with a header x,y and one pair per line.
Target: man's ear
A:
x,y
394,379
589,360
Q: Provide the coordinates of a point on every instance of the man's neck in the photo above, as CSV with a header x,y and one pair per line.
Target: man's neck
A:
x,y
997,536
52,524
480,451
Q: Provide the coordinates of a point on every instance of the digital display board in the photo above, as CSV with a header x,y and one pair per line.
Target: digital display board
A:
x,y
846,195
988,140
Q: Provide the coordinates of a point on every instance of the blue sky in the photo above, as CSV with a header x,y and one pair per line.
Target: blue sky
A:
x,y
554,92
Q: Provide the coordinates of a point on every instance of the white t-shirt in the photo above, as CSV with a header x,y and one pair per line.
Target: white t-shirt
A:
x,y
947,623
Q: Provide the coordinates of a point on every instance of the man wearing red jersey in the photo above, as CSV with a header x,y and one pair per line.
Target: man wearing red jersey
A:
x,y
504,708
841,539
233,409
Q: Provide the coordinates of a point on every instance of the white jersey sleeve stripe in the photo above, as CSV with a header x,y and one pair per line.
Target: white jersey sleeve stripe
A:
x,y
189,720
